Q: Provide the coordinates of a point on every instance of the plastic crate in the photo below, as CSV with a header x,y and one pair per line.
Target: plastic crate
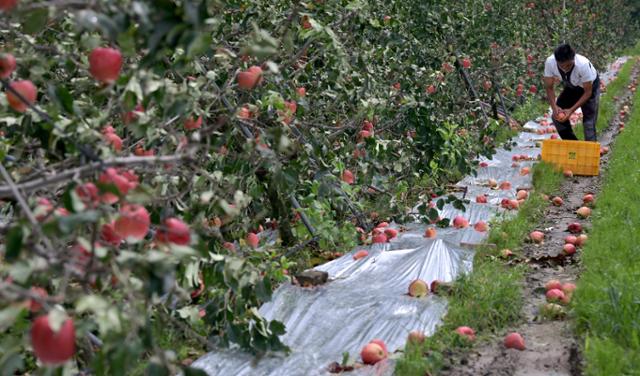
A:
x,y
581,157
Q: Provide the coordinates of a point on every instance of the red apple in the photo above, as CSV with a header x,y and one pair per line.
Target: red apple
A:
x,y
360,254
575,228
505,185
229,246
481,226
27,90
418,288
514,341
583,212
108,234
466,332
113,140
557,201
431,89
568,288
347,177
105,64
7,65
372,353
301,91
382,345
537,237
553,284
568,173
379,238
522,195
34,305
484,164
253,240
569,249
174,231
53,348
191,123
460,222
555,295
570,239
88,193
133,223
430,232
131,116
466,63
7,5
250,78
581,240
588,199
482,199
391,233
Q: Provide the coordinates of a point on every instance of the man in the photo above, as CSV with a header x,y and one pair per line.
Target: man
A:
x,y
581,89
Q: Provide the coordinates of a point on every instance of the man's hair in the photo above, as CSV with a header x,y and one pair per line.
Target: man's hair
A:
x,y
563,53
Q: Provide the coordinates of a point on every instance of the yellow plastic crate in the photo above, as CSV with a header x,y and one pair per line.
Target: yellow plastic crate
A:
x,y
581,157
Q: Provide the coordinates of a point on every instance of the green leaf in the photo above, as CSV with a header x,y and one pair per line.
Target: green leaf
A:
x,y
9,315
64,99
13,244
35,21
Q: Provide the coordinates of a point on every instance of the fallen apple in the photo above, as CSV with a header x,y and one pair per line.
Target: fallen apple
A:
x,y
588,199
252,240
466,332
557,201
575,228
418,288
514,341
481,199
569,249
460,222
416,337
536,236
430,232
555,295
505,185
481,226
522,194
568,173
570,239
553,284
360,254
379,238
583,212
372,353
581,240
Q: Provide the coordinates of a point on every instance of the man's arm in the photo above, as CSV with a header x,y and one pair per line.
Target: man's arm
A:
x,y
551,94
588,89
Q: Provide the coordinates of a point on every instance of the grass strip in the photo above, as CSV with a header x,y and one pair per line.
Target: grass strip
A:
x,y
489,298
607,101
607,309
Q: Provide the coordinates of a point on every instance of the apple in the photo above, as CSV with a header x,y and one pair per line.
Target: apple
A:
x,y
133,223
484,164
301,91
418,288
557,201
7,65
88,193
513,204
569,249
105,64
248,79
372,353
430,232
365,134
555,295
53,347
27,90
379,238
347,177
487,85
114,141
360,254
431,89
575,228
482,199
604,150
492,183
382,225
229,246
466,332
568,173
570,239
522,194
252,240
7,5
514,341
553,284
506,253
460,222
525,171
533,89
536,236
568,288
108,234
505,185
382,345
466,63
554,137
192,123
416,337
588,199
174,231
481,226
581,240
391,233
583,212
367,126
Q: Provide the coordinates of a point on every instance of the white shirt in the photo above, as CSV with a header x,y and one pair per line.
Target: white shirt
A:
x,y
583,70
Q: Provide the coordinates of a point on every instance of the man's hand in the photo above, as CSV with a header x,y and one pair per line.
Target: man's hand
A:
x,y
561,115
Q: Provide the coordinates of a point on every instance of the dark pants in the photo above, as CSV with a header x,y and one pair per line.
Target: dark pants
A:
x,y
567,99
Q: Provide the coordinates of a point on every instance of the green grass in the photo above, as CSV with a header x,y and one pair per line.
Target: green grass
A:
x,y
607,309
607,105
489,298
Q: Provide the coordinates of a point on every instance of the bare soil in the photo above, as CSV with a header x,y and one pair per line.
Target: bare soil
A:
x,y
552,349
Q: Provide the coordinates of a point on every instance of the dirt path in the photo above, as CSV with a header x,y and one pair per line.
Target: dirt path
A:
x,y
552,349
